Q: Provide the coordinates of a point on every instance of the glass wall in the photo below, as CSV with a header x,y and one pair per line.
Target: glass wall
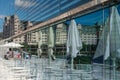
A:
x,y
47,45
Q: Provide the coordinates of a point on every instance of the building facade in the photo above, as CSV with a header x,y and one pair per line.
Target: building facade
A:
x,y
44,37
32,37
61,33
6,28
88,34
13,25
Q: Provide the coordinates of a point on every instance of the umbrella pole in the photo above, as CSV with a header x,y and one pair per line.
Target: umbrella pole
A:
x,y
50,50
114,71
72,63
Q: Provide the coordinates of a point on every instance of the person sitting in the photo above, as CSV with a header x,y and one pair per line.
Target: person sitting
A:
x,y
6,56
11,54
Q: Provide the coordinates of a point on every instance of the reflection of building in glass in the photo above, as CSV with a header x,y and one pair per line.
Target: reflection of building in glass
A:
x,y
44,36
88,34
7,29
12,27
61,33
30,38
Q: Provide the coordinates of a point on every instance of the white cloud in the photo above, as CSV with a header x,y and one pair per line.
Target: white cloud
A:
x,y
2,16
24,3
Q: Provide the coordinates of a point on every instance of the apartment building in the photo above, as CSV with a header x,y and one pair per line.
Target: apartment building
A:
x,y
6,28
13,25
61,33
44,33
88,34
32,37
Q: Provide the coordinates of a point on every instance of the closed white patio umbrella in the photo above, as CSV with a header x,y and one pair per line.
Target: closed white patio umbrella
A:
x,y
50,43
74,43
109,43
39,50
